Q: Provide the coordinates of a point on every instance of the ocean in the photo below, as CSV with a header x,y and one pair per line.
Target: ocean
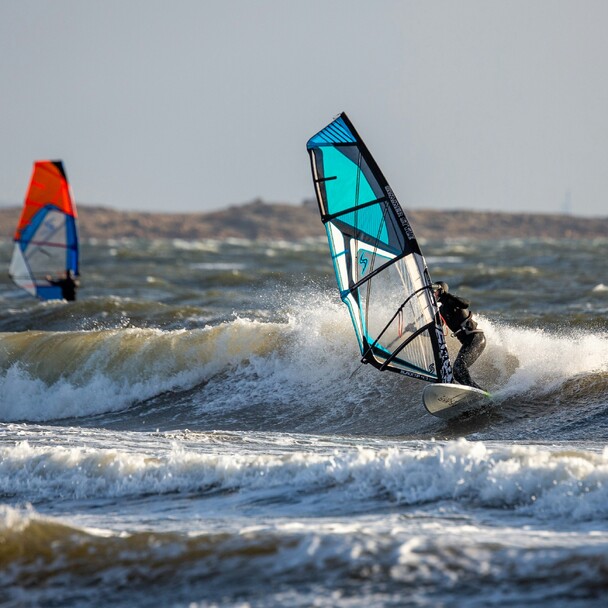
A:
x,y
197,430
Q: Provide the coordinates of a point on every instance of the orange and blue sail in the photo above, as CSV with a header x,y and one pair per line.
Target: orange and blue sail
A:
x,y
46,238
380,270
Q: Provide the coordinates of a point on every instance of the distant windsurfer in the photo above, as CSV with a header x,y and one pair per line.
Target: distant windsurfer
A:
x,y
457,316
68,285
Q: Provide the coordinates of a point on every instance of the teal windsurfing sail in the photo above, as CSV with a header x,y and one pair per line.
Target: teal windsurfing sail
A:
x,y
381,272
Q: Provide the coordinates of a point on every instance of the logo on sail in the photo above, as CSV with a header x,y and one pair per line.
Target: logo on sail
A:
x,y
363,261
399,212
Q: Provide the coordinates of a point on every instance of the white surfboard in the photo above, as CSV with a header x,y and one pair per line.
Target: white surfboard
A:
x,y
449,401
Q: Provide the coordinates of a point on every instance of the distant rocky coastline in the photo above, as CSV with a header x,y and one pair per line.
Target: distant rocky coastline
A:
x,y
260,220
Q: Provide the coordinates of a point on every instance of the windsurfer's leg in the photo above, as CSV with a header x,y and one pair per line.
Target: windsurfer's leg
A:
x,y
469,353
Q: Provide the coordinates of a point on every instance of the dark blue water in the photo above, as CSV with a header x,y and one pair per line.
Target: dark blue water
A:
x,y
196,430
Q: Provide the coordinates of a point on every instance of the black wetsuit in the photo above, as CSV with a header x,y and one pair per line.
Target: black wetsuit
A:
x,y
68,288
459,319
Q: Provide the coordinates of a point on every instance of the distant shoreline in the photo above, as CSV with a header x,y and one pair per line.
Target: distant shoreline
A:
x,y
268,221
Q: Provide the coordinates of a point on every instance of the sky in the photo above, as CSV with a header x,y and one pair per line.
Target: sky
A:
x,y
195,105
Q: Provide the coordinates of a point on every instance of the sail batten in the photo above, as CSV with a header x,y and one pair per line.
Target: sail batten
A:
x,y
380,271
46,239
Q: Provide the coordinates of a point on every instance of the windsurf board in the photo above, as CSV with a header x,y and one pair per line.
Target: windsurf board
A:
x,y
450,401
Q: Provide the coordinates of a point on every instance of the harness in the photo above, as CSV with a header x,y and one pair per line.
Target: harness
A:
x,y
467,327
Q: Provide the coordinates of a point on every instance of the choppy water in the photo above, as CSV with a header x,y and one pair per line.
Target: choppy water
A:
x,y
196,431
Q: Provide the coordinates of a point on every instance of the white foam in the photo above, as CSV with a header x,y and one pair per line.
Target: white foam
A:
x,y
15,519
317,362
312,359
310,362
208,245
322,354
66,374
532,480
538,360
217,266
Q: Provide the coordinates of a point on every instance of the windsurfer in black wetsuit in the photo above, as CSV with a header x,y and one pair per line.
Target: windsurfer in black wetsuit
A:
x,y
457,316
67,284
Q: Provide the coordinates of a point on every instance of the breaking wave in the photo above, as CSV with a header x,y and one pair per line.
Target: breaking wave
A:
x,y
301,374
544,483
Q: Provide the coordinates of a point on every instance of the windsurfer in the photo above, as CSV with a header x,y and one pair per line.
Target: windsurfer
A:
x,y
457,316
68,285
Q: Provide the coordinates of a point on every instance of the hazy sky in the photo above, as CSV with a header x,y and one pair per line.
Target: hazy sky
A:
x,y
192,105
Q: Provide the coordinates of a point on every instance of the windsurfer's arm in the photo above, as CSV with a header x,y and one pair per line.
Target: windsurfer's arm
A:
x,y
455,301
